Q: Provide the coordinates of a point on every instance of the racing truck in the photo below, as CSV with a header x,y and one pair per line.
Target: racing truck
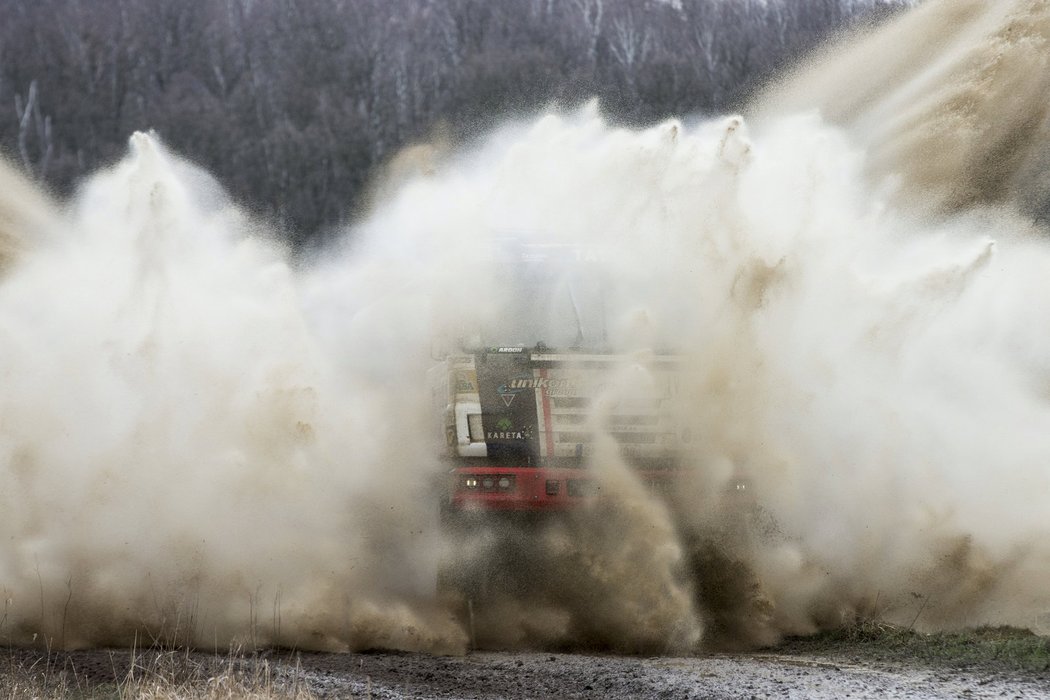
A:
x,y
528,433
533,432
522,423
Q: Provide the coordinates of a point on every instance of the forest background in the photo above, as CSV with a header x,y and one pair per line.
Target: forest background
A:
x,y
293,105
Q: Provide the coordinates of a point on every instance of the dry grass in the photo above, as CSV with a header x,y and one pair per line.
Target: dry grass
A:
x,y
1007,649
180,676
147,675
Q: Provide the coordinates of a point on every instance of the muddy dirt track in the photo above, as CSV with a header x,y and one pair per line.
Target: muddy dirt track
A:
x,y
490,675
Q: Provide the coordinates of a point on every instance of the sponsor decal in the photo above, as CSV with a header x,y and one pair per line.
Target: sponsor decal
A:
x,y
548,386
576,385
508,392
505,430
545,383
552,386
466,382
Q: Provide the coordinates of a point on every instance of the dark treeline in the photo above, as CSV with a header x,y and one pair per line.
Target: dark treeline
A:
x,y
293,103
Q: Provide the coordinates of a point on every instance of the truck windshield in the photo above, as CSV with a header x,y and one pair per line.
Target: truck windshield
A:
x,y
550,294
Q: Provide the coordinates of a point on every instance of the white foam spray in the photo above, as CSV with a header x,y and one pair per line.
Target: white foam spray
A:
x,y
951,99
205,444
182,462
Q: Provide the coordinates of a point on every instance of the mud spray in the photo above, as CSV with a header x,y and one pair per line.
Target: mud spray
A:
x,y
202,443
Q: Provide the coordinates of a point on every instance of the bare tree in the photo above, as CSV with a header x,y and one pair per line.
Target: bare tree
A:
x,y
33,124
591,15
